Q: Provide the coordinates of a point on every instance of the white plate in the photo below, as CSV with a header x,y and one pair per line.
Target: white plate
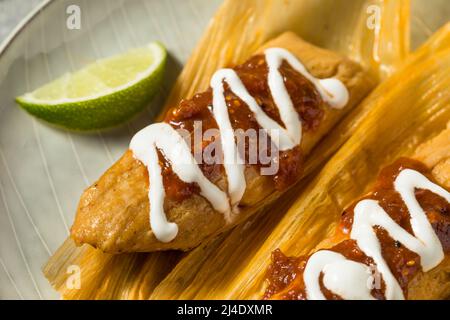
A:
x,y
44,170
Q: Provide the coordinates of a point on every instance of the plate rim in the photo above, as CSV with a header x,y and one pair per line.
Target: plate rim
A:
x,y
20,27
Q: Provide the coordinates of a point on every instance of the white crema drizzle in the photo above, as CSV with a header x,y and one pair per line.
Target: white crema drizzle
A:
x,y
177,152
352,280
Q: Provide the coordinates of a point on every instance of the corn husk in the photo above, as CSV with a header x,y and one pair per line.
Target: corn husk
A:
x,y
406,110
236,31
239,28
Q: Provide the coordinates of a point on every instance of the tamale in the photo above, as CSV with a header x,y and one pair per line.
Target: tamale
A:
x,y
413,241
113,213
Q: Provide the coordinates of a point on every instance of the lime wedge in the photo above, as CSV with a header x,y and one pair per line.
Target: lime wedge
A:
x,y
103,94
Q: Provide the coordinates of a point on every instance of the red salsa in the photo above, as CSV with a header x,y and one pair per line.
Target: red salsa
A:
x,y
285,274
253,74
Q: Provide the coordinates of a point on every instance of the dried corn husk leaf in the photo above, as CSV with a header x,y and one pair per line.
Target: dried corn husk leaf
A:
x,y
404,111
236,31
374,33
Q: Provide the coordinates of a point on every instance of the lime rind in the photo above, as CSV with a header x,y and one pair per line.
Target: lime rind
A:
x,y
108,106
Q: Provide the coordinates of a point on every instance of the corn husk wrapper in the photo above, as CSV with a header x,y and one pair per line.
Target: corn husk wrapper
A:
x,y
236,31
404,111
374,33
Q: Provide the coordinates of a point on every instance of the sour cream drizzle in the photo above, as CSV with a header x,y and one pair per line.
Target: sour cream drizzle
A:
x,y
350,279
177,152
